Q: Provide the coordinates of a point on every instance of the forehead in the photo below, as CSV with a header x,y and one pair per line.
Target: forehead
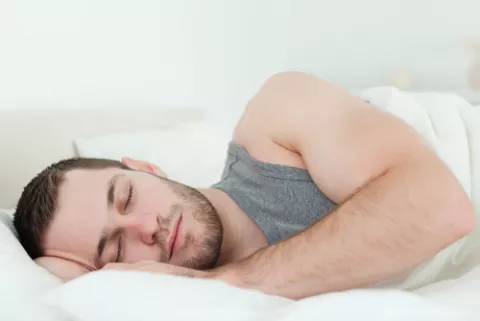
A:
x,y
80,215
84,191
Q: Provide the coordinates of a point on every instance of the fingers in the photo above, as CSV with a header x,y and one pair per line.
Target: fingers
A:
x,y
114,266
129,266
154,267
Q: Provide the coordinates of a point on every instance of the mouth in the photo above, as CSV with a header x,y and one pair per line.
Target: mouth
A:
x,y
173,236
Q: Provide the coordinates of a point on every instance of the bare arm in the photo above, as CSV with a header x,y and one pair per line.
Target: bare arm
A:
x,y
399,204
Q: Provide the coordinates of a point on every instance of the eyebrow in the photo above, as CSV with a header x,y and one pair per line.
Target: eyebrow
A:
x,y
105,235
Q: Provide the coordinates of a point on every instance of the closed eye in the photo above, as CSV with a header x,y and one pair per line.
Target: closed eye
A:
x,y
129,198
118,258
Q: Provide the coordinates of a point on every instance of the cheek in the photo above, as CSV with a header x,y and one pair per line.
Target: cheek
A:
x,y
63,269
136,252
195,230
152,197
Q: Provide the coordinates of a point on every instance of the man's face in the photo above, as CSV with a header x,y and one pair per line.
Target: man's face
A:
x,y
117,215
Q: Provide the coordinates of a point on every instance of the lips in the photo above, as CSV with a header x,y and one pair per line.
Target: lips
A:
x,y
173,236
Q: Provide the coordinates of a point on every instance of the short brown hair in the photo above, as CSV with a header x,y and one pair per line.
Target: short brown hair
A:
x,y
35,208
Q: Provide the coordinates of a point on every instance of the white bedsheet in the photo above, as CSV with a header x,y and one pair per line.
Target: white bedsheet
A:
x,y
450,125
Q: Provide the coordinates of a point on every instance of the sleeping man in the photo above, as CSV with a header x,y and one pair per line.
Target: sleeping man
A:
x,y
320,192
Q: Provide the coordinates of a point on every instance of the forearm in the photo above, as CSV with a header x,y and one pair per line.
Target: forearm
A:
x,y
392,224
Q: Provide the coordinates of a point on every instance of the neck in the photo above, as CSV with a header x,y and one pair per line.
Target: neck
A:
x,y
241,235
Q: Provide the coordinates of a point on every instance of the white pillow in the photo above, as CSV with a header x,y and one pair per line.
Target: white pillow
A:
x,y
192,153
22,282
139,296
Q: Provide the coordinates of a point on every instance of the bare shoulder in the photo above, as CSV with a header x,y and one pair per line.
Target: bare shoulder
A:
x,y
290,101
287,104
342,140
262,115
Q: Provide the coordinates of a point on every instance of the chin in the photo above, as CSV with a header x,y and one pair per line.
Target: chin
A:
x,y
198,246
197,257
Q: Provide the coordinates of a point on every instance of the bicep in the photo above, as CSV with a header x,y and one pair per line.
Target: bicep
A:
x,y
343,141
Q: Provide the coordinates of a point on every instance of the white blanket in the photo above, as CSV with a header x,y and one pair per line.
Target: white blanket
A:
x,y
452,128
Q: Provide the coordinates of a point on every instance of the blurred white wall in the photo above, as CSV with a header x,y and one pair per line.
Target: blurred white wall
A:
x,y
215,53
365,43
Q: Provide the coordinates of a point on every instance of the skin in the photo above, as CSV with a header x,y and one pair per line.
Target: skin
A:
x,y
398,203
145,226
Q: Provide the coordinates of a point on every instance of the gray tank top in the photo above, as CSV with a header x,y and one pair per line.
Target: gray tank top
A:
x,y
282,200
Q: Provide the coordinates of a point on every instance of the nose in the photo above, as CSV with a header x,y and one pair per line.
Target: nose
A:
x,y
143,226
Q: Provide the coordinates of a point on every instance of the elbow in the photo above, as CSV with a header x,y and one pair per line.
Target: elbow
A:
x,y
467,218
459,214
451,214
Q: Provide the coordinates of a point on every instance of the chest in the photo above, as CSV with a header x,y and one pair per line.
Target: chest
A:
x,y
289,206
280,199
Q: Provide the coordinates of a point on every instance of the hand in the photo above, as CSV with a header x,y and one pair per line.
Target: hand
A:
x,y
224,274
161,268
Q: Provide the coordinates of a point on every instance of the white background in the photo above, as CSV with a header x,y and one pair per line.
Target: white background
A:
x,y
215,53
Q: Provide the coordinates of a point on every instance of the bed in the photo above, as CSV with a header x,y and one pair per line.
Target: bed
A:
x,y
33,139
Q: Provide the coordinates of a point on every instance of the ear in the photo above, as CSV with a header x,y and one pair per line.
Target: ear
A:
x,y
144,166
